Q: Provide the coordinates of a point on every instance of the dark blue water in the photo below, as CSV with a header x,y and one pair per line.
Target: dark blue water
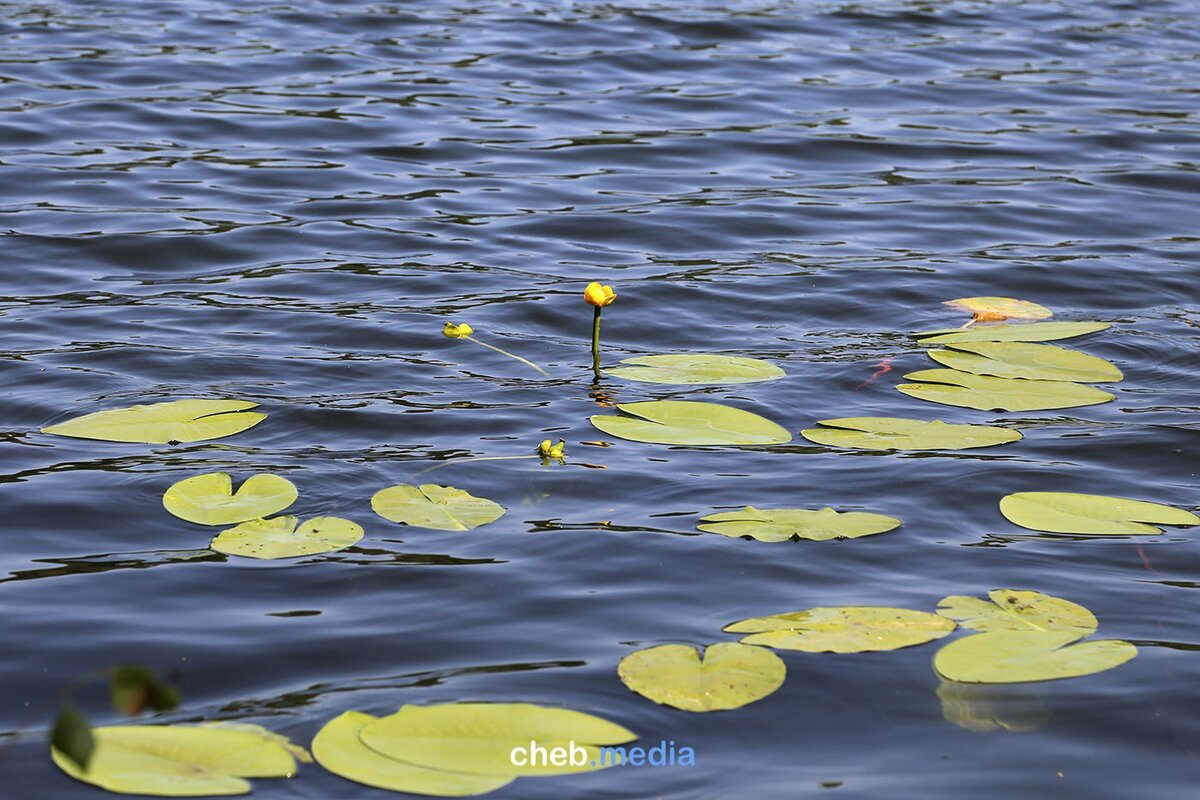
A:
x,y
285,201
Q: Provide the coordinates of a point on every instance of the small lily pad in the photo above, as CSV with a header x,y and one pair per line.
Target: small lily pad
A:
x,y
781,524
1028,332
1016,610
1021,656
164,423
1071,512
989,309
209,499
898,433
985,393
729,675
442,508
279,537
1040,362
697,369
687,422
844,629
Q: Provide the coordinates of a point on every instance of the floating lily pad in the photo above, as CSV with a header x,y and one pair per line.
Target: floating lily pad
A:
x,y
1041,362
478,738
781,524
1021,656
164,423
689,422
280,538
1028,332
1070,512
985,393
1015,610
988,309
179,761
729,676
697,368
844,629
442,508
209,499
339,749
897,433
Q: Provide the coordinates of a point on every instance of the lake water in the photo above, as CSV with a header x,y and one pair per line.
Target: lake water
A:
x,y
285,201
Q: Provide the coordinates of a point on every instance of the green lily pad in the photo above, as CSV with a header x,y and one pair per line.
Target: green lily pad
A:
x,y
781,524
1015,610
1027,332
339,749
985,393
442,508
844,629
1070,512
1039,362
280,538
164,423
179,761
209,499
898,433
697,368
689,422
478,738
729,676
1021,656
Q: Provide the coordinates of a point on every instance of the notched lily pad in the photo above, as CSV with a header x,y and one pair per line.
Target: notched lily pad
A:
x,y
728,676
164,423
1072,512
280,537
1018,610
1022,656
898,433
781,524
442,508
209,499
687,422
1028,332
985,393
696,369
844,629
1039,362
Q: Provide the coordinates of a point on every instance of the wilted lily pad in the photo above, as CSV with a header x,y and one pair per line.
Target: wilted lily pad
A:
x,y
1029,332
697,368
1040,362
1015,610
209,499
844,629
729,675
1070,512
985,393
280,538
478,738
164,423
781,524
898,433
339,749
991,309
1020,656
689,422
442,508
179,761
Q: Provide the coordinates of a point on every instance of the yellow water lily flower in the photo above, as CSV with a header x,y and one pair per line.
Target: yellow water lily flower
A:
x,y
453,331
599,296
548,449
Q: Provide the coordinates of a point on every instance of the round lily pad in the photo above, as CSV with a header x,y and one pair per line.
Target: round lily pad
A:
x,y
1028,332
844,629
696,369
209,499
1017,610
1071,512
1021,656
687,422
781,524
1042,362
985,393
164,423
898,433
442,508
728,676
280,537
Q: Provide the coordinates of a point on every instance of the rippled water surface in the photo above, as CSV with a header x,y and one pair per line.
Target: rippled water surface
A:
x,y
285,201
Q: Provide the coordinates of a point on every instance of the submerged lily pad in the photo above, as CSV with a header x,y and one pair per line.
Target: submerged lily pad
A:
x,y
982,708
1040,362
1028,332
339,749
179,761
478,738
280,538
844,629
781,524
898,433
1021,656
1071,512
164,423
209,499
997,308
689,422
1016,610
442,508
985,393
697,368
729,675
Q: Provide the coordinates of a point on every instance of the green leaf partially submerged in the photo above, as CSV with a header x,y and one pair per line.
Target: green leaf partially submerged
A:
x,y
844,629
696,368
72,738
1071,512
442,508
1016,610
209,499
1020,656
164,423
781,524
729,675
898,433
985,393
1041,362
280,537
687,422
1028,332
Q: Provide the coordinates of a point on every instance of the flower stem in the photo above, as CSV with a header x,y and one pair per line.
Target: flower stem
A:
x,y
596,342
510,355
